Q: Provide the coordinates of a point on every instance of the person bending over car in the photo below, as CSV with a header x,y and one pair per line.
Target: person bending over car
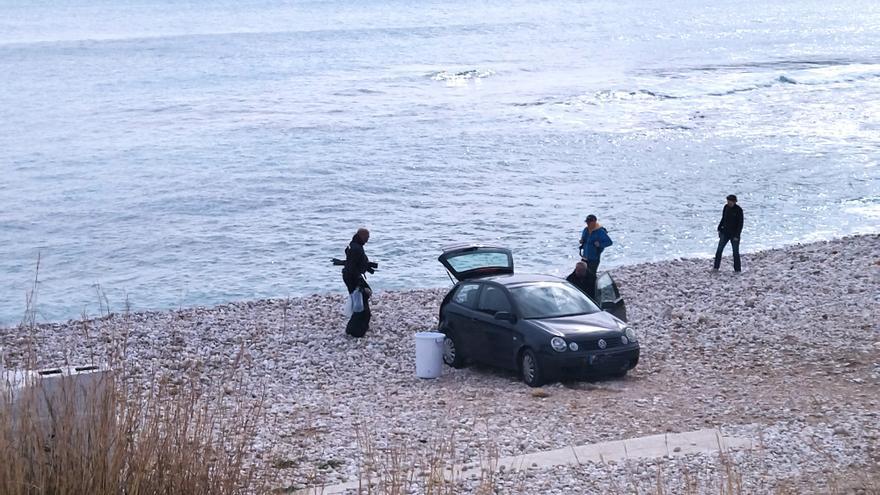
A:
x,y
583,279
356,264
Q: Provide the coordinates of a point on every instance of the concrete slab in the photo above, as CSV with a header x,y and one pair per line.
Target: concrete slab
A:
x,y
653,446
704,441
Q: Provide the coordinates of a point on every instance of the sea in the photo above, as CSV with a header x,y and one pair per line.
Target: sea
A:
x,y
158,154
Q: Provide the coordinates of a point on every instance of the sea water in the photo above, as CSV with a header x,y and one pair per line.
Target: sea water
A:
x,y
157,154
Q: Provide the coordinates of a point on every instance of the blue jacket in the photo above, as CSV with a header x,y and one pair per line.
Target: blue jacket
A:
x,y
588,243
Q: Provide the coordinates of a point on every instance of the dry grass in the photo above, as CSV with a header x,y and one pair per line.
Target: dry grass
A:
x,y
429,468
106,438
121,433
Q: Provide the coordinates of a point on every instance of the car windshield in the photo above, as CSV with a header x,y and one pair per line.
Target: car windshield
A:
x,y
551,300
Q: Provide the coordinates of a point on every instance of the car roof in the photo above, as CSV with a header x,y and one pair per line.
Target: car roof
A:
x,y
519,279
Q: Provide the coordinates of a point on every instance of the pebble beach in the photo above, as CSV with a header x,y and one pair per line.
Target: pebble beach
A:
x,y
786,353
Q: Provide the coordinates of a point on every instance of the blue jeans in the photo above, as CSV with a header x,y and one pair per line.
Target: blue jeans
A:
x,y
722,242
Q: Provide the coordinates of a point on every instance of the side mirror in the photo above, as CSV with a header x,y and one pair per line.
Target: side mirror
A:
x,y
608,306
506,316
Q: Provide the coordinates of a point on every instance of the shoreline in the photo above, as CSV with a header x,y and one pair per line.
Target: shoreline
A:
x,y
726,263
788,348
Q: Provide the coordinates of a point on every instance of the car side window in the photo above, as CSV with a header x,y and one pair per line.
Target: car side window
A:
x,y
492,300
466,295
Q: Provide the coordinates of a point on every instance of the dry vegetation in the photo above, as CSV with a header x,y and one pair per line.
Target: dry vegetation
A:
x,y
123,433
111,439
120,434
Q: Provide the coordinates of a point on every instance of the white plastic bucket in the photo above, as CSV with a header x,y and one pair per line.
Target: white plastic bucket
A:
x,y
429,354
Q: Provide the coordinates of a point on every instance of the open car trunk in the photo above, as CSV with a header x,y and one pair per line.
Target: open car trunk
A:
x,y
468,261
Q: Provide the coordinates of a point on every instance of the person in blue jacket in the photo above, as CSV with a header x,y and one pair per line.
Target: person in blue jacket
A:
x,y
594,240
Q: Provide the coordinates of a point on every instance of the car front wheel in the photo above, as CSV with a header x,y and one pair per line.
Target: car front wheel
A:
x,y
620,372
452,355
530,368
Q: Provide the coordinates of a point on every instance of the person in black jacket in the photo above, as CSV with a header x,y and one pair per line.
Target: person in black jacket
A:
x,y
729,229
583,279
356,264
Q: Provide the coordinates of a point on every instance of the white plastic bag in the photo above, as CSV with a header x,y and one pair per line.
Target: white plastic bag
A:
x,y
354,303
346,307
357,301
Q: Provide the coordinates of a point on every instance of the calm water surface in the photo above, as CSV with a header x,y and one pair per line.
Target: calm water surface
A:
x,y
192,154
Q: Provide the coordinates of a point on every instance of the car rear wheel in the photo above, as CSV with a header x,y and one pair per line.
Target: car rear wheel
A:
x,y
452,355
530,369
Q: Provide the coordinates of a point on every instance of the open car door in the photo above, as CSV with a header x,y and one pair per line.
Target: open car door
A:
x,y
468,261
608,296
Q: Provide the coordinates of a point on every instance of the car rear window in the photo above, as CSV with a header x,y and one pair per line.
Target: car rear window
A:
x,y
471,261
551,300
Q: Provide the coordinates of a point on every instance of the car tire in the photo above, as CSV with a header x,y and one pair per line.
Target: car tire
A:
x,y
452,355
530,368
621,372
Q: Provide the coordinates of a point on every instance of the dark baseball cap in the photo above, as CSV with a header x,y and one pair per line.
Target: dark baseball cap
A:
x,y
732,197
590,218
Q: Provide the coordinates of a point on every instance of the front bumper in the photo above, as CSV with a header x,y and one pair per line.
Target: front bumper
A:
x,y
618,359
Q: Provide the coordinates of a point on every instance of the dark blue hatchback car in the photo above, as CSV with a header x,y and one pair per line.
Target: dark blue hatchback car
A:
x,y
540,325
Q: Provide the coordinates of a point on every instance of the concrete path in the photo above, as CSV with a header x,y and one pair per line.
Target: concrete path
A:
x,y
705,441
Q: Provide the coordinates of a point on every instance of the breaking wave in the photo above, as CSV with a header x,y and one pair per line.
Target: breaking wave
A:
x,y
815,76
624,95
601,96
465,75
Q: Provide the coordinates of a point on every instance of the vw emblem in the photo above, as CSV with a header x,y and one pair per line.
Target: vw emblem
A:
x,y
602,344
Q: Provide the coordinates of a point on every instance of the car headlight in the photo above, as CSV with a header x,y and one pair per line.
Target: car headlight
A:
x,y
631,334
573,346
558,344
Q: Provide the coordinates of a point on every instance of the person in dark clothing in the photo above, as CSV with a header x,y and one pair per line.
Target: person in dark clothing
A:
x,y
583,279
356,264
594,240
729,229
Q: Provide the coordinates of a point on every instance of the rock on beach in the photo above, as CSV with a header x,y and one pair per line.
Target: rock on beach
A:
x,y
787,351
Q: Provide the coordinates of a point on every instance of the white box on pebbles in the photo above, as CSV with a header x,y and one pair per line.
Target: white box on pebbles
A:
x,y
53,395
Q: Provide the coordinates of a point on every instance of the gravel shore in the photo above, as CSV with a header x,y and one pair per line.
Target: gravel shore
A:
x,y
787,352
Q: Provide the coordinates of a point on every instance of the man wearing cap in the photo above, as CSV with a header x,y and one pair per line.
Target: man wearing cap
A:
x,y
729,229
594,240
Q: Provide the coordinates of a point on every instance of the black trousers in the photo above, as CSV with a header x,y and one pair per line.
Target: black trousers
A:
x,y
722,242
592,266
358,323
